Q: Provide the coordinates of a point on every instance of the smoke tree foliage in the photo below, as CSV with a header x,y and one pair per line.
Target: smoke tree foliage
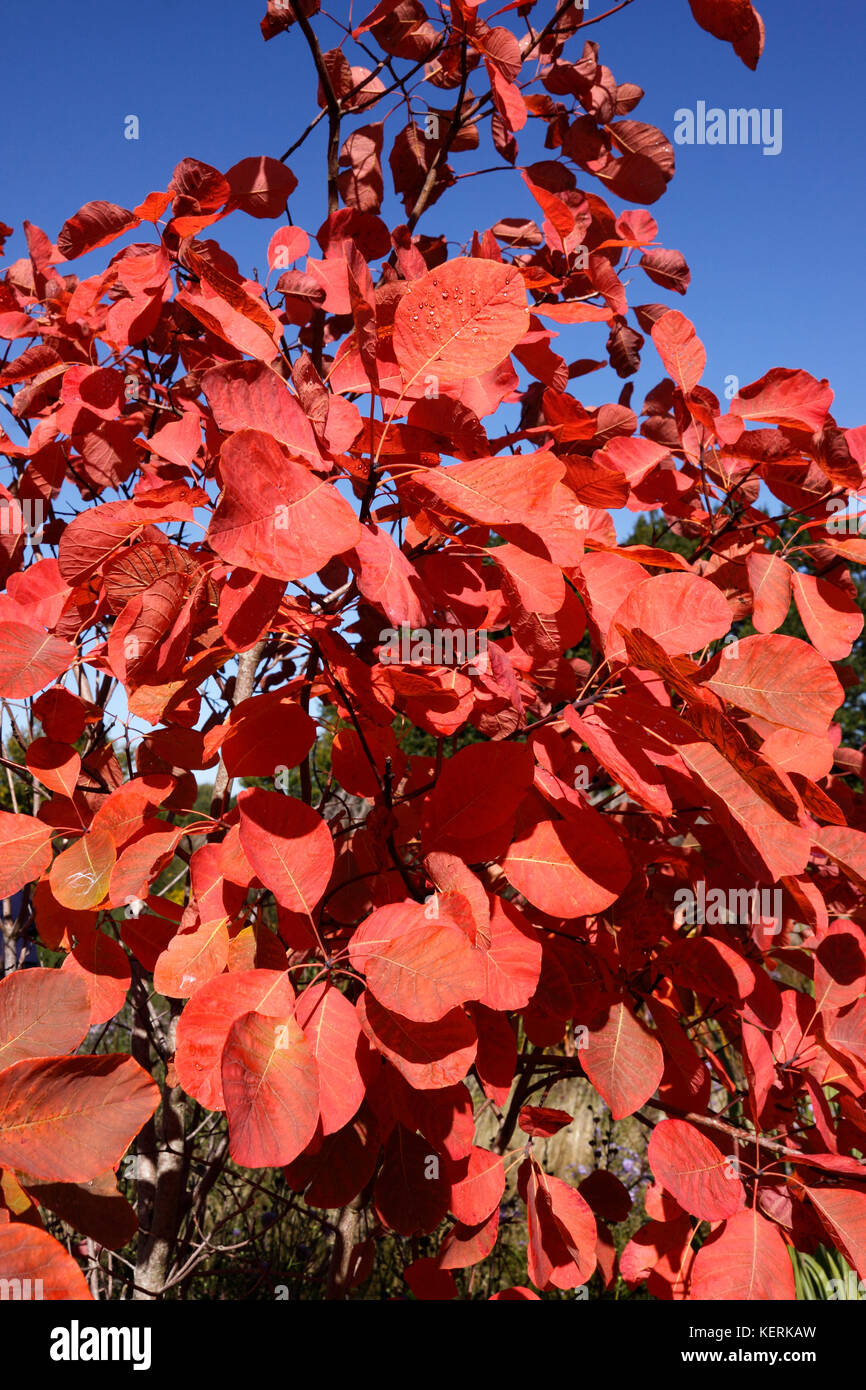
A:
x,y
223,498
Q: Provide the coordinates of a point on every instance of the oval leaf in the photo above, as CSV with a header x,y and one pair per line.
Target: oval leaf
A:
x,y
623,1061
275,517
68,1119
460,320
42,1013
694,1171
25,851
205,1022
80,876
29,660
271,1088
289,846
747,1260
31,1257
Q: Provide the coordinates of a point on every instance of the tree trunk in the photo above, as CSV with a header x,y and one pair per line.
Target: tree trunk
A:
x,y
157,1244
341,1254
160,1170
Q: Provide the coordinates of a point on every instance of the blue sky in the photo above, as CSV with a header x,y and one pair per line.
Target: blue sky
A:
x,y
774,243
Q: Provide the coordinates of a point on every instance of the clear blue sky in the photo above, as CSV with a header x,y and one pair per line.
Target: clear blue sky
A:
x,y
775,244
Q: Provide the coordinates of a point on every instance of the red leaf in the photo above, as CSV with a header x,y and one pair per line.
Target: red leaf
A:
x,y
513,959
623,1061
275,517
647,165
204,1025
778,678
429,1055
248,605
840,965
541,1121
124,813
558,214
747,1260
681,350
141,860
30,659
80,876
26,851
271,1089
607,1196
388,580
847,848
536,584
97,389
233,315
95,1208
561,1230
785,397
573,312
55,764
411,1195
460,320
770,583
333,1033
460,895
843,1213
568,868
104,968
831,616
149,639
68,1119
416,966
250,395
30,1257
694,1171
658,1253
61,714
679,611
42,1012
266,732
231,292
286,245
517,490
737,22
464,1246
351,760
191,959
260,186
93,225
666,268
478,789
288,845
428,1280
768,844
635,458
92,536
477,1192
147,935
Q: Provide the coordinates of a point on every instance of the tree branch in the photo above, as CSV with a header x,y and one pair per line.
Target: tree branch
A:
x,y
244,682
333,107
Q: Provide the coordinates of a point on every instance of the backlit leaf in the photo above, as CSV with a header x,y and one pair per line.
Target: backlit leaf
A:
x,y
695,1171
68,1119
460,319
271,1090
623,1060
289,846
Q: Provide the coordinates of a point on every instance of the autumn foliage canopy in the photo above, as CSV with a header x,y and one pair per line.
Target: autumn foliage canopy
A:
x,y
245,486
